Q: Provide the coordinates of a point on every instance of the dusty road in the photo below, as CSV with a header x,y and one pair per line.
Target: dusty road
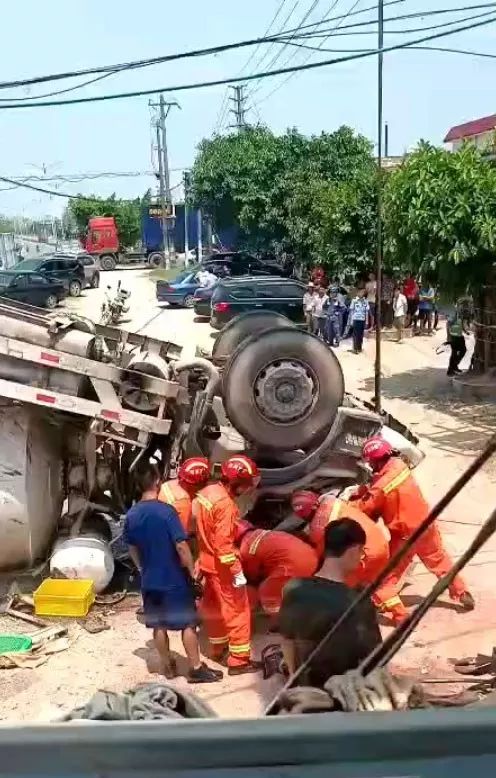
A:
x,y
451,432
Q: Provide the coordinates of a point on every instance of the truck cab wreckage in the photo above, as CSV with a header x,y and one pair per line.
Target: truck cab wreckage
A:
x,y
82,403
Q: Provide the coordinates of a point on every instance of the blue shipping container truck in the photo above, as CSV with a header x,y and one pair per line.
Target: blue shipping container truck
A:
x,y
151,228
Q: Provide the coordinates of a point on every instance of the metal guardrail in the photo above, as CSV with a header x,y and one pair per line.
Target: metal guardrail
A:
x,y
455,743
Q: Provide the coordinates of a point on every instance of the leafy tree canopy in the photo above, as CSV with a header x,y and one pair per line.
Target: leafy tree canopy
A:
x,y
440,215
312,196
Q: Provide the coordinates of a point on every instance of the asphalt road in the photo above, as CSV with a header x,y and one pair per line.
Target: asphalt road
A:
x,y
145,315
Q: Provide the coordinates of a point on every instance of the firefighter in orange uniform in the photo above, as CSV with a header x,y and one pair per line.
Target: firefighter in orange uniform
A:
x,y
394,494
192,475
320,512
270,559
225,606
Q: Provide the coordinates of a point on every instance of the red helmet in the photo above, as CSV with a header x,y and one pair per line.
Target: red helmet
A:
x,y
242,527
194,471
376,448
304,503
238,469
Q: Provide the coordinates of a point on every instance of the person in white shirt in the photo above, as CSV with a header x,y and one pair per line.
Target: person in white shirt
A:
x,y
309,299
371,290
206,278
400,310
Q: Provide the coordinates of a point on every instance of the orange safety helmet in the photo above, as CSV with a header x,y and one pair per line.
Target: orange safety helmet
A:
x,y
239,469
194,471
304,503
242,527
376,448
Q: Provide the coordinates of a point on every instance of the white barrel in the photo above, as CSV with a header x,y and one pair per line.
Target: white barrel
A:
x,y
87,556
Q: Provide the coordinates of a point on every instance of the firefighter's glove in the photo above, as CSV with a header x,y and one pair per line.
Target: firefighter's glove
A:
x,y
379,691
239,580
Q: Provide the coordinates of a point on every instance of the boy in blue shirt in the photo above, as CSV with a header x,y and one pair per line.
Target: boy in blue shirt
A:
x,y
159,549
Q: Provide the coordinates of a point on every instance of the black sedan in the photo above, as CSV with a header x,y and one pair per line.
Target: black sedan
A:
x,y
31,288
202,300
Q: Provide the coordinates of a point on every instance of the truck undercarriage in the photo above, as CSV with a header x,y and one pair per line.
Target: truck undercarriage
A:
x,y
83,403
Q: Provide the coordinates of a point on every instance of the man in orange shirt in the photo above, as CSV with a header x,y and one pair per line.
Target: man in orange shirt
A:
x,y
321,512
270,559
225,606
192,475
394,495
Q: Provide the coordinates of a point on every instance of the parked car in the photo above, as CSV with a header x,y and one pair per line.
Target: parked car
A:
x,y
202,303
89,263
240,263
64,269
181,290
31,288
236,295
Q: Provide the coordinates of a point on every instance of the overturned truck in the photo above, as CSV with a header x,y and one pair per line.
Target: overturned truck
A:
x,y
81,404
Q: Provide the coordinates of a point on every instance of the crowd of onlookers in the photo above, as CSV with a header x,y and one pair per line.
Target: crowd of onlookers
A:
x,y
334,310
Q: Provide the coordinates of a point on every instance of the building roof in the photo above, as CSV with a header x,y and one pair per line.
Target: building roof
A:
x,y
475,127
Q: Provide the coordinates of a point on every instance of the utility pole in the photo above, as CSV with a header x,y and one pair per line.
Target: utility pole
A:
x,y
164,175
378,321
386,139
239,109
186,218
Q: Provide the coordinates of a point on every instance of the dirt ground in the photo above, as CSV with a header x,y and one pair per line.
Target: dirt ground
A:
x,y
451,432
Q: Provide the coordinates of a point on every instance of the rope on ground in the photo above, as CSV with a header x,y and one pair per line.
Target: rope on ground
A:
x,y
463,479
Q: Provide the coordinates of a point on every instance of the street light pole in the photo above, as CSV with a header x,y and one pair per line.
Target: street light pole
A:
x,y
378,320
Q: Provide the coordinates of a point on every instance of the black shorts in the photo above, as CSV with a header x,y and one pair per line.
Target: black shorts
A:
x,y
174,610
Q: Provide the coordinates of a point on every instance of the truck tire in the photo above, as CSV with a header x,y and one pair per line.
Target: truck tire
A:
x,y
155,259
281,389
107,262
242,327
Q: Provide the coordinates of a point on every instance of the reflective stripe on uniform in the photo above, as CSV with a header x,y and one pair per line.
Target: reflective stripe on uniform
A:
x,y
228,559
203,501
335,511
393,602
397,481
168,493
244,649
218,641
254,546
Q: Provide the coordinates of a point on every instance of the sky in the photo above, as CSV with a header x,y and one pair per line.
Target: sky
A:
x,y
425,93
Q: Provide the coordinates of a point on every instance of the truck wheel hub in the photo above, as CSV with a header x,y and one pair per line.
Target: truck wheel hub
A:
x,y
284,391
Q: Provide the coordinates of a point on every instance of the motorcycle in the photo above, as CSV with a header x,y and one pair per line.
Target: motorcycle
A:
x,y
113,308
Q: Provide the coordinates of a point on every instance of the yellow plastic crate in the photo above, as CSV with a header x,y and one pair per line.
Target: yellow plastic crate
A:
x,y
64,597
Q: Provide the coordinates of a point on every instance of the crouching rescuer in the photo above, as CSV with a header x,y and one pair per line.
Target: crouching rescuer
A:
x,y
225,605
394,495
270,559
320,512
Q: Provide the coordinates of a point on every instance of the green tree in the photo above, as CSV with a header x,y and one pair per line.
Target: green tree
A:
x,y
127,214
440,220
312,196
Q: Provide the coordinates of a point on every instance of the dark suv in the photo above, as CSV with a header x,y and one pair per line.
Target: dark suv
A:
x,y
249,293
239,263
64,269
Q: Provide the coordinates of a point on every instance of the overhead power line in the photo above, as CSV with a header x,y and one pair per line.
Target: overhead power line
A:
x,y
253,77
134,64
291,75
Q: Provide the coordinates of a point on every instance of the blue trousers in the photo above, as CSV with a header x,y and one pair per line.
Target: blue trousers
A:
x,y
333,330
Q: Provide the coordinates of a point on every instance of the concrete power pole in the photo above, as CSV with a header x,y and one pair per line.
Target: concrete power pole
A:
x,y
239,109
164,176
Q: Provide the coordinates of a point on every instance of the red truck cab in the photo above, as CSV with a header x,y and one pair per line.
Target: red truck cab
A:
x,y
102,240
